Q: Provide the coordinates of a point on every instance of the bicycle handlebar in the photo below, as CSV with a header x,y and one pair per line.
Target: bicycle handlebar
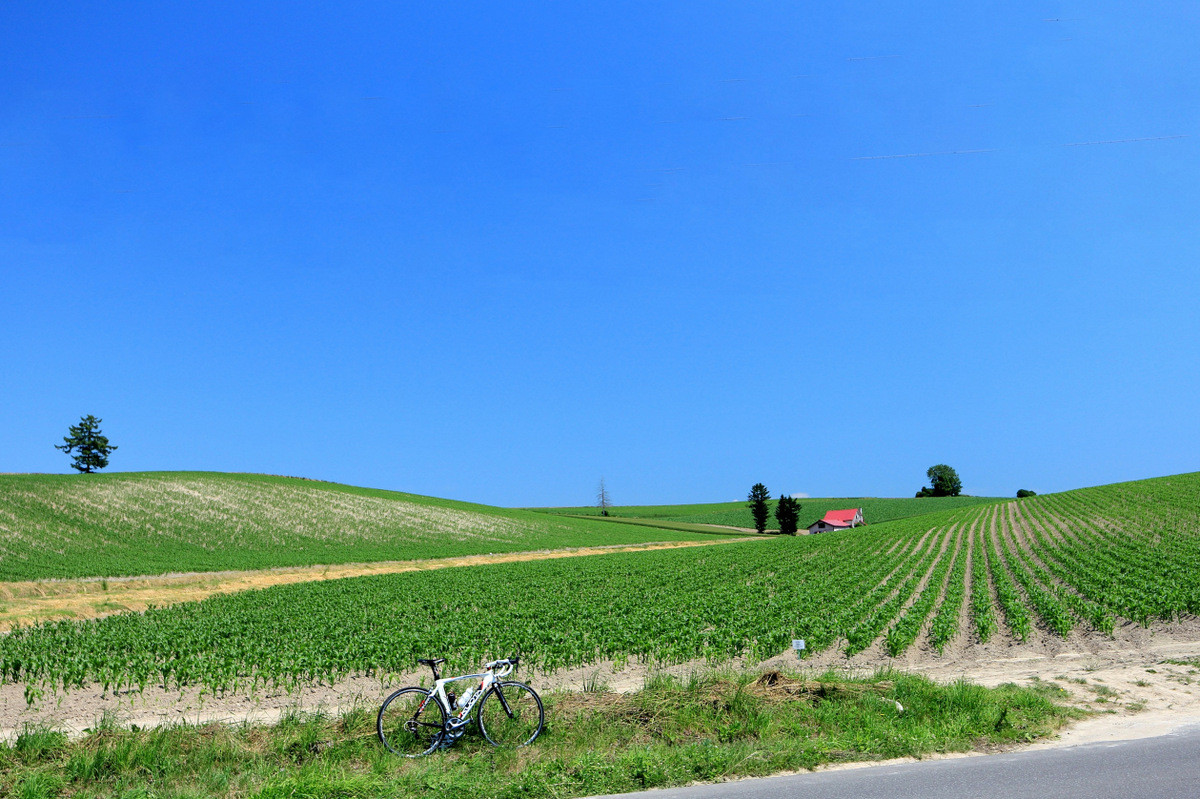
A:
x,y
509,665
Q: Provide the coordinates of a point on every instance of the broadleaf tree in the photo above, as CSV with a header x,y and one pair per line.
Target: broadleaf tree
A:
x,y
943,482
758,506
90,447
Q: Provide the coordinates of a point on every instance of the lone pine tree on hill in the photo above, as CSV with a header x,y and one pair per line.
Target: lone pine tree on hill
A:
x,y
758,506
91,447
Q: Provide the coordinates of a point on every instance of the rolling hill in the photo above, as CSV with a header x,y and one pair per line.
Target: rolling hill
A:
x,y
1086,563
142,523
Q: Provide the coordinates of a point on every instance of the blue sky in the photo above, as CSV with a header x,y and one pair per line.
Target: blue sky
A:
x,y
496,252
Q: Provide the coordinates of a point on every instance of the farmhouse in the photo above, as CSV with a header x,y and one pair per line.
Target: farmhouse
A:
x,y
837,520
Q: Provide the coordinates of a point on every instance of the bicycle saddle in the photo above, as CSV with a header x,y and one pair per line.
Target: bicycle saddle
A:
x,y
431,661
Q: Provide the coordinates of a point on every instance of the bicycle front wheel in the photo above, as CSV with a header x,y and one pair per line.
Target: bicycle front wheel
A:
x,y
511,715
411,722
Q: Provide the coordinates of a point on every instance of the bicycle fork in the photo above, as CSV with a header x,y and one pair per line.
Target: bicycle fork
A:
x,y
503,702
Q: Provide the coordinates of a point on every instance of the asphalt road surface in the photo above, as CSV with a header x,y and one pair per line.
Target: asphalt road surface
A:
x,y
1166,767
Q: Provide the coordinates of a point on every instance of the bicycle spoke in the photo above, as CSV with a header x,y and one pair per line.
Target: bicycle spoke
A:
x,y
411,722
511,715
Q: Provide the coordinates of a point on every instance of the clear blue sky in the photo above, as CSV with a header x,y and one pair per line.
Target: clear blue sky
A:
x,y
494,252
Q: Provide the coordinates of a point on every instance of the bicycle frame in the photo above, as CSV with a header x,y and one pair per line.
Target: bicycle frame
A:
x,y
486,680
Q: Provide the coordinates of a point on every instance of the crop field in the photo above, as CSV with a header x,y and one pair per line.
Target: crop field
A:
x,y
109,525
737,514
1042,566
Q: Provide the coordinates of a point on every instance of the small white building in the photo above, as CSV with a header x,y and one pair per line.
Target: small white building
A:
x,y
837,520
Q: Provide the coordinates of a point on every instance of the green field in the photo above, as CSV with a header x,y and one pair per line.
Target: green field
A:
x,y
59,526
737,514
1042,566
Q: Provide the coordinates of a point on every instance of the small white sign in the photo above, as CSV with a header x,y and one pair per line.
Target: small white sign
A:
x,y
797,644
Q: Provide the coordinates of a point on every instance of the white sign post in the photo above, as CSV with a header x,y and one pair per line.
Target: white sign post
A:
x,y
798,645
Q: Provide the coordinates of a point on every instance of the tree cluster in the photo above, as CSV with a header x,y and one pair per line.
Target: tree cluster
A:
x,y
787,513
1025,492
787,510
943,482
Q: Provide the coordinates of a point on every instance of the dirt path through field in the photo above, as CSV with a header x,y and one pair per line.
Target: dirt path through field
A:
x,y
43,600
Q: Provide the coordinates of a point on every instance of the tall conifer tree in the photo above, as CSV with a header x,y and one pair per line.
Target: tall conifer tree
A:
x,y
90,446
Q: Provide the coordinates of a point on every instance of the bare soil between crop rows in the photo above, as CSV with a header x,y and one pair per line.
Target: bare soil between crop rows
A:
x,y
1142,682
47,600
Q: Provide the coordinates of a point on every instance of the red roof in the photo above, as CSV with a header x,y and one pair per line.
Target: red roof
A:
x,y
841,516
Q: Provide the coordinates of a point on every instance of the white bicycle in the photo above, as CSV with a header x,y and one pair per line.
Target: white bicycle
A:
x,y
415,721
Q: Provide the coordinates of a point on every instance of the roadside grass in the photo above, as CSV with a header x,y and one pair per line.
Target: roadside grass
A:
x,y
673,732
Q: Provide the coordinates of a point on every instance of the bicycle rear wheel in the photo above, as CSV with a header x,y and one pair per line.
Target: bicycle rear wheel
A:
x,y
511,715
411,722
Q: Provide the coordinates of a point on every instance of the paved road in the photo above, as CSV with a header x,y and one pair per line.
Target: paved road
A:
x,y
1166,767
